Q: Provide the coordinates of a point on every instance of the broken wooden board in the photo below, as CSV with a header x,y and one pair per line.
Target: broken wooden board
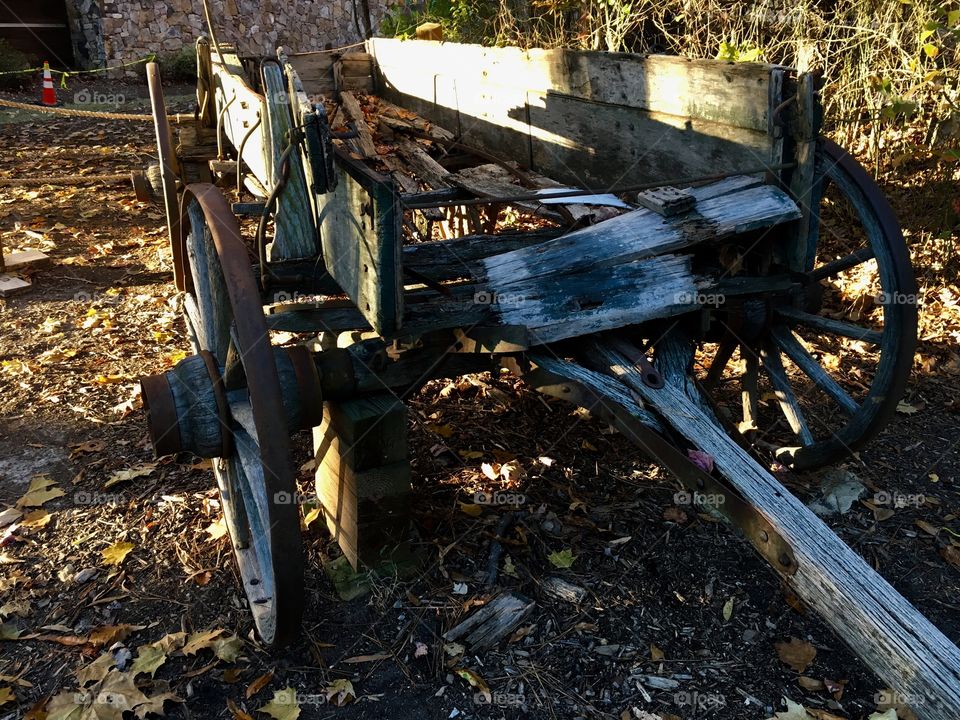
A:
x,y
11,285
493,622
19,260
732,206
491,181
891,636
364,137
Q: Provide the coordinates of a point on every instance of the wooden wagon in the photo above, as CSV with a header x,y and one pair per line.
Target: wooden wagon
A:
x,y
689,220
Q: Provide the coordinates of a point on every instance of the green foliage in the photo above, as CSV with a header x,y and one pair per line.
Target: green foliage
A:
x,y
12,60
462,20
748,52
180,66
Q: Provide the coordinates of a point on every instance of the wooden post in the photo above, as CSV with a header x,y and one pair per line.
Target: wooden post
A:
x,y
363,476
429,31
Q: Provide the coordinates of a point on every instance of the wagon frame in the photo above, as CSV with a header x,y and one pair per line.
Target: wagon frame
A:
x,y
743,144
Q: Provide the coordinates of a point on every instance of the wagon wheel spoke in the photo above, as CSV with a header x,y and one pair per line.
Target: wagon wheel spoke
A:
x,y
788,343
750,391
793,316
773,365
725,350
848,262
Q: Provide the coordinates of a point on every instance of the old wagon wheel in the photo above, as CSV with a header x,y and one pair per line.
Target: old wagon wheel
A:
x,y
164,175
848,328
253,471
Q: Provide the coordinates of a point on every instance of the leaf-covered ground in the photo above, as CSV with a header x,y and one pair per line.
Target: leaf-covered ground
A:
x,y
118,590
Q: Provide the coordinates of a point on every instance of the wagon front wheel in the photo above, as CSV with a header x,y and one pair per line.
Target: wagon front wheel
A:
x,y
822,366
226,403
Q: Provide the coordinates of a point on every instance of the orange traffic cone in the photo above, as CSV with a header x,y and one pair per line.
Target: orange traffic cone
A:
x,y
49,95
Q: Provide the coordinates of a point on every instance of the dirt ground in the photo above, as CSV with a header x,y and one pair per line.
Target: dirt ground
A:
x,y
680,618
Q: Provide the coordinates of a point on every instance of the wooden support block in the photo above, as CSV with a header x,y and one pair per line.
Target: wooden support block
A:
x,y
363,477
425,167
364,137
666,200
493,622
11,285
429,31
18,260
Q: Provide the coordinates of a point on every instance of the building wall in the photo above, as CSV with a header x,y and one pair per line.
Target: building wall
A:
x,y
131,29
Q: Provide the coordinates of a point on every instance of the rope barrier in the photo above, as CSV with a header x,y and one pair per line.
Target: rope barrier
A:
x,y
63,180
64,74
178,118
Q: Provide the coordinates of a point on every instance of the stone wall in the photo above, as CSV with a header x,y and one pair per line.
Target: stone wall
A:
x,y
132,29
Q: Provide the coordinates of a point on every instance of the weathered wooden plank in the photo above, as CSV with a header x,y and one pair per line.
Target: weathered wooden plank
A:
x,y
491,181
294,233
11,284
432,173
732,93
904,648
493,622
449,259
643,233
364,137
565,305
359,226
593,145
17,260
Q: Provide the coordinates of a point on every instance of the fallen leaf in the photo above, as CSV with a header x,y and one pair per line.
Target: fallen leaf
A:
x,y
149,659
491,471
202,641
237,713
476,682
36,519
115,554
950,553
42,489
512,471
109,634
810,684
171,642
656,653
441,430
890,714
85,448
97,670
796,654
284,705
421,650
259,684
228,648
340,692
928,527
562,559
9,631
471,509
6,695
906,408
10,515
368,658
20,608
216,530
120,476
728,610
674,514
311,516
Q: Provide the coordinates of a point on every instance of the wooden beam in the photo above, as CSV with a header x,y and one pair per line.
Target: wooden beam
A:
x,y
363,476
364,137
895,640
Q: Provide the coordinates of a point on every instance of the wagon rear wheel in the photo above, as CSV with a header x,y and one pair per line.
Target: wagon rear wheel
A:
x,y
822,368
257,486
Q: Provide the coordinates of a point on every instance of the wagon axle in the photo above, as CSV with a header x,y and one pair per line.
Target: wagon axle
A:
x,y
191,408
